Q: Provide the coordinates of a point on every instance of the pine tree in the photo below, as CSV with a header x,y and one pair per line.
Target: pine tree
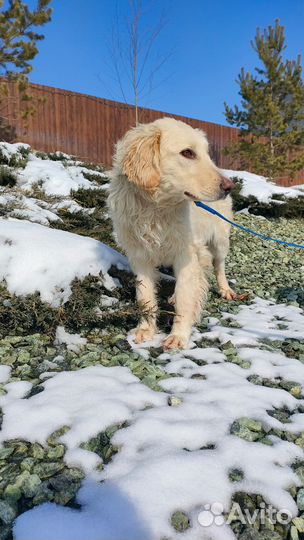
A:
x,y
271,120
18,48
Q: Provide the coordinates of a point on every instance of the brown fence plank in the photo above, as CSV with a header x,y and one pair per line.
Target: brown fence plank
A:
x,y
88,127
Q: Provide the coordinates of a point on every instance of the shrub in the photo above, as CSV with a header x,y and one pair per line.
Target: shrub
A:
x,y
92,166
23,315
18,159
90,198
57,156
7,177
286,207
94,177
94,225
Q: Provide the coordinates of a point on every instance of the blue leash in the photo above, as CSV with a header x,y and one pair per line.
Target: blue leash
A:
x,y
216,213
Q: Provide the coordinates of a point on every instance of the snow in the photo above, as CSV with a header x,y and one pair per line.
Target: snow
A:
x,y
17,205
71,206
108,301
35,258
74,342
262,188
170,457
160,467
88,400
8,150
4,373
52,176
259,320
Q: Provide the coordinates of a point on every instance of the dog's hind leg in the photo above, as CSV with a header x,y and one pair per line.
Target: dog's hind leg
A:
x,y
219,249
146,277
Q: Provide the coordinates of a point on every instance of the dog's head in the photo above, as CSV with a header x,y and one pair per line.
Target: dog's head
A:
x,y
168,158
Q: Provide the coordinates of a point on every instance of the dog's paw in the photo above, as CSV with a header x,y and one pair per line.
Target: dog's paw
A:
x,y
228,294
174,341
144,334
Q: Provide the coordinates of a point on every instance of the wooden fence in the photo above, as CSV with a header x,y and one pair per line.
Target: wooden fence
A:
x,y
88,127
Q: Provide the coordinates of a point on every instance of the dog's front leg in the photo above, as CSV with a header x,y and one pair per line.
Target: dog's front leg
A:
x,y
190,293
146,298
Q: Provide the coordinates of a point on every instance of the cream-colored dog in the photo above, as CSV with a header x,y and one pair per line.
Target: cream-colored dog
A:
x,y
159,170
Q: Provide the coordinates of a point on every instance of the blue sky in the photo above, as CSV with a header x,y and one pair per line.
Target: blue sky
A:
x,y
207,42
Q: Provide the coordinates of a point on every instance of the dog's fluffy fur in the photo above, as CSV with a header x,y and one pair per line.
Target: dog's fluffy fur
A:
x,y
153,182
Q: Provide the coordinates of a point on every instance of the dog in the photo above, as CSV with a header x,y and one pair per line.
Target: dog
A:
x,y
159,170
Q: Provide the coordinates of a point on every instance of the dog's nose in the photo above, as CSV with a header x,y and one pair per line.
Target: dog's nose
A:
x,y
226,185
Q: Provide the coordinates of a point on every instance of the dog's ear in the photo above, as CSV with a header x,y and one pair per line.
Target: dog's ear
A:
x,y
141,162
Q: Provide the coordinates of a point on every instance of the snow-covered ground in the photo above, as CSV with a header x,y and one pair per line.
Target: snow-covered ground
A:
x,y
176,445
37,258
262,188
173,454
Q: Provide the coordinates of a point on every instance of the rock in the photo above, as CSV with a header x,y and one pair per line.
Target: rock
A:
x,y
300,472
8,360
21,449
294,535
30,486
299,524
251,424
54,437
43,494
249,534
61,482
56,452
5,351
75,474
121,358
174,401
46,469
12,340
27,464
282,416
6,532
63,497
24,371
228,346
180,521
37,451
266,441
236,475
300,442
269,535
241,429
13,490
5,452
294,388
300,499
89,357
12,493
7,512
51,351
252,534
23,357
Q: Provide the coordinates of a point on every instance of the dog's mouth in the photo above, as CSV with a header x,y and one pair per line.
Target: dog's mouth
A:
x,y
195,198
191,196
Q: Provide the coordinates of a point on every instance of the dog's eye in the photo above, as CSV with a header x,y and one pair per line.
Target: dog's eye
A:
x,y
188,153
